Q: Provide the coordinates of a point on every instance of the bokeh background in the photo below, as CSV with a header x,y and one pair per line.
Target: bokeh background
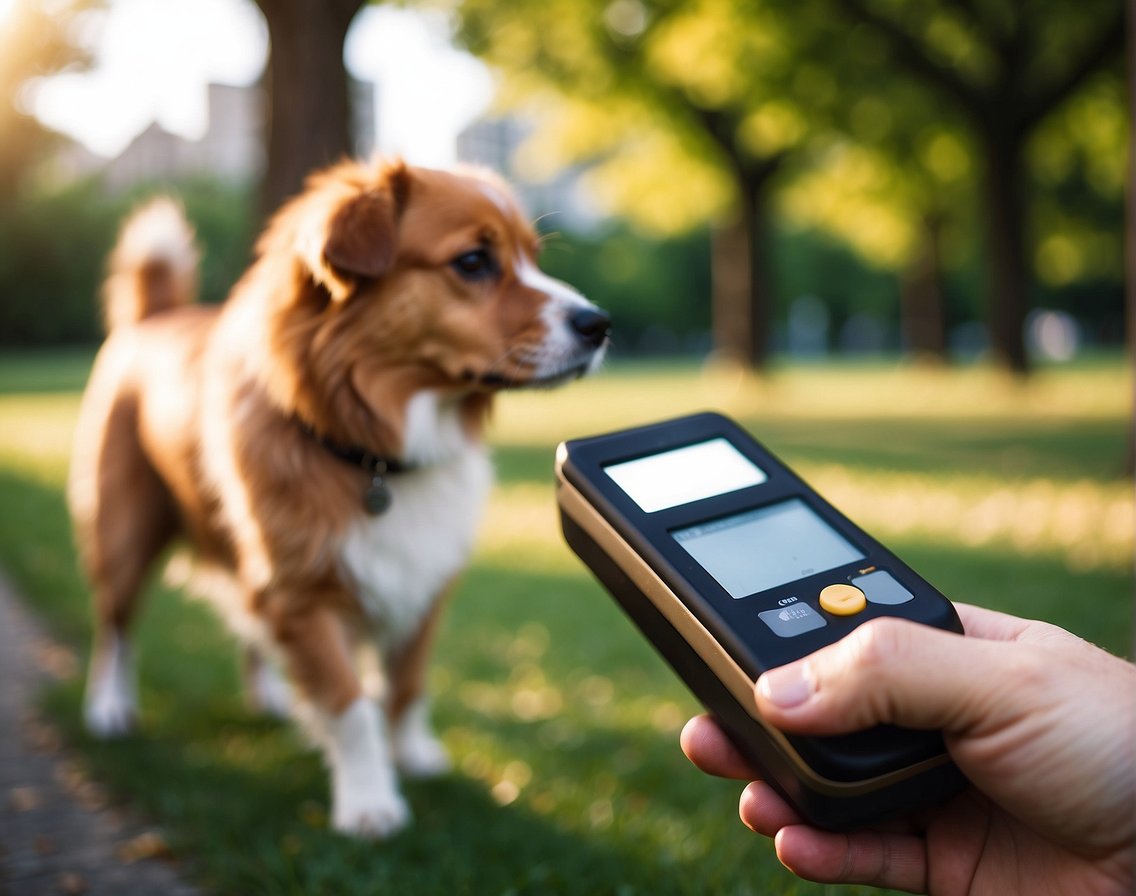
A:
x,y
759,178
886,235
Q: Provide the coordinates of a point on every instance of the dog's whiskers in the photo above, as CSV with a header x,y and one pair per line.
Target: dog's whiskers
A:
x,y
524,357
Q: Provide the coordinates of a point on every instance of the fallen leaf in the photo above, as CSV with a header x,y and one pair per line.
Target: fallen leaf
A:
x,y
44,845
71,884
145,846
23,799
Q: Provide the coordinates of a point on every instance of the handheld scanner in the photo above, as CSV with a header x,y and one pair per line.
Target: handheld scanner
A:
x,y
731,564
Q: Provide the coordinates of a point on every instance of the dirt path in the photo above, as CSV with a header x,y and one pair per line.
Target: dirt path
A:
x,y
59,834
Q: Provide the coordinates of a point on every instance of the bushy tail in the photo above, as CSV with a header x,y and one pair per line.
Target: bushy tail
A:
x,y
153,266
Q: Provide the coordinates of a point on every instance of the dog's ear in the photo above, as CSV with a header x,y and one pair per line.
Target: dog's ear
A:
x,y
359,239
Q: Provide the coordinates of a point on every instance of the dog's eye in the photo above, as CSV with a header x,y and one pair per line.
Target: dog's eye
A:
x,y
476,265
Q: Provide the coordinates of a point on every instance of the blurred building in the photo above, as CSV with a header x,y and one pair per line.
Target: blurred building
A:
x,y
232,148
494,141
229,150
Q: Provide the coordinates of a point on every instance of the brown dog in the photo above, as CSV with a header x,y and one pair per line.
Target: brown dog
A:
x,y
317,440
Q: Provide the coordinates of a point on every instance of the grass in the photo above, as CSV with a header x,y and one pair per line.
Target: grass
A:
x,y
562,722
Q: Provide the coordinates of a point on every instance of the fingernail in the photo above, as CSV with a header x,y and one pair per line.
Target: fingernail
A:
x,y
786,686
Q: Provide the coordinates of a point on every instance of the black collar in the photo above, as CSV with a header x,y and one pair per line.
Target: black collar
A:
x,y
375,464
377,497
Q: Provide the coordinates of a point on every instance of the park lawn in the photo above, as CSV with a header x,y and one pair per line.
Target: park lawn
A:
x,y
562,722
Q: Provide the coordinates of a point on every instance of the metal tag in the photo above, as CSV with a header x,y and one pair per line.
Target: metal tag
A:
x,y
377,497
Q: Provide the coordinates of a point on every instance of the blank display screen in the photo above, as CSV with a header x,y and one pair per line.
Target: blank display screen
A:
x,y
661,481
763,548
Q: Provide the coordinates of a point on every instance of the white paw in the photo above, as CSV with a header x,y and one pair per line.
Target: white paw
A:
x,y
110,705
417,751
365,797
109,715
375,815
422,757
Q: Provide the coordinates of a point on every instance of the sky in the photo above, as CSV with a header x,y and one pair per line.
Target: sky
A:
x,y
153,59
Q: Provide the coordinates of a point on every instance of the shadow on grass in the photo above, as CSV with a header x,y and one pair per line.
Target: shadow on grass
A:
x,y
264,830
245,804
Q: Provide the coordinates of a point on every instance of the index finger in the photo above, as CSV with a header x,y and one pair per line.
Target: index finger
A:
x,y
708,747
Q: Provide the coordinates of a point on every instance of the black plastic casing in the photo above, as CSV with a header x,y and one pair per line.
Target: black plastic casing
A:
x,y
838,783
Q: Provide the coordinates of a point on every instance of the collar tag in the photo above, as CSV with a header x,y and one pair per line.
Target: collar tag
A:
x,y
377,497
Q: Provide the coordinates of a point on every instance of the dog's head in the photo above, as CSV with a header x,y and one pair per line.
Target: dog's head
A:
x,y
407,279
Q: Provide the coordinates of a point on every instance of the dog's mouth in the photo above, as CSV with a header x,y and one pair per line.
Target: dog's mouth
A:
x,y
499,381
544,375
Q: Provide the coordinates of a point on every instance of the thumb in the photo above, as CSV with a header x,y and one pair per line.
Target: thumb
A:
x,y
892,671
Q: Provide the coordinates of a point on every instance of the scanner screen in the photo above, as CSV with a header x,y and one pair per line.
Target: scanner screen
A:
x,y
767,547
672,478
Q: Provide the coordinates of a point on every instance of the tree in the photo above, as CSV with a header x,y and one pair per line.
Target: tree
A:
x,y
740,96
36,39
688,111
892,179
1004,66
1130,237
1130,224
309,120
898,216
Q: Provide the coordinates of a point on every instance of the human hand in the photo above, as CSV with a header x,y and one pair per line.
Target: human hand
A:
x,y
1042,723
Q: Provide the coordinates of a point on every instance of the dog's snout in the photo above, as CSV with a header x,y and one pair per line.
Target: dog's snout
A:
x,y
591,325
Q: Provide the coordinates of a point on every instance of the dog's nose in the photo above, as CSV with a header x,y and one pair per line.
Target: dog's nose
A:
x,y
591,325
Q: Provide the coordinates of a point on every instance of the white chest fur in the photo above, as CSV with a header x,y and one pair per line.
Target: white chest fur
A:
x,y
399,562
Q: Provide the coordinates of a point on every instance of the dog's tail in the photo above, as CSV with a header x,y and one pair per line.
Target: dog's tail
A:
x,y
153,266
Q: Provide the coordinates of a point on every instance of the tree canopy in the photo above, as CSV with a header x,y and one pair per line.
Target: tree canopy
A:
x,y
686,112
900,127
1003,68
36,39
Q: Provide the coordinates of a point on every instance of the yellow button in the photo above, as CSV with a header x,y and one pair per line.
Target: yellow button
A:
x,y
843,600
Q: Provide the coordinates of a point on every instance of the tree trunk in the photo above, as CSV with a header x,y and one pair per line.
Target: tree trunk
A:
x,y
731,309
742,303
922,305
1007,298
1130,247
309,118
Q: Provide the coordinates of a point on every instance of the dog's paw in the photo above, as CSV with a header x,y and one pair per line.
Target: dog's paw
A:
x,y
375,816
417,751
365,797
110,704
422,756
109,715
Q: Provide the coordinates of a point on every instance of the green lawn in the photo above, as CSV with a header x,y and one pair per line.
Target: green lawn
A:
x,y
562,722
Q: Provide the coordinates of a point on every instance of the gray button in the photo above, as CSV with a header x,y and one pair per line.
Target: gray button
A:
x,y
794,619
880,587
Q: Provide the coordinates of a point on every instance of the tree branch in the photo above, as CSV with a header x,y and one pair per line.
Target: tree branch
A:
x,y
1108,43
752,171
913,56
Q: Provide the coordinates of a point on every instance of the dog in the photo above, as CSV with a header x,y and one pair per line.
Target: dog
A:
x,y
317,441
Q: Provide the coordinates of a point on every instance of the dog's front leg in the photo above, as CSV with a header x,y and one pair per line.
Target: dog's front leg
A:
x,y
364,787
417,750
